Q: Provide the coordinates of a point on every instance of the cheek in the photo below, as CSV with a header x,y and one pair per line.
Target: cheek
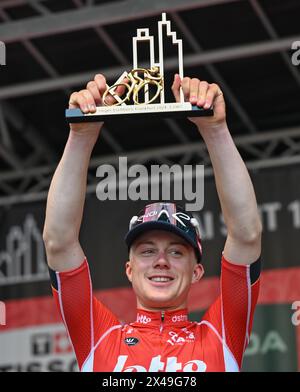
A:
x,y
187,276
136,275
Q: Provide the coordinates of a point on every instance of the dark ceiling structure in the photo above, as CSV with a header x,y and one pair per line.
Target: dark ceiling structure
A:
x,y
55,47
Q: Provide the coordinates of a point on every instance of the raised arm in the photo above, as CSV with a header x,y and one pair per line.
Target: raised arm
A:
x,y
234,186
68,187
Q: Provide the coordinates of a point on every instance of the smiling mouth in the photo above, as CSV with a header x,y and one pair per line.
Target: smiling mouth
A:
x,y
160,279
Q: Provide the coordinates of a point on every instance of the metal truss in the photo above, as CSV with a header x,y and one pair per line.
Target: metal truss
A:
x,y
274,36
241,112
190,60
264,150
94,16
29,177
51,71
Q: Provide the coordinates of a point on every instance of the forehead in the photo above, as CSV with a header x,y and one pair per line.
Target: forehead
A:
x,y
160,236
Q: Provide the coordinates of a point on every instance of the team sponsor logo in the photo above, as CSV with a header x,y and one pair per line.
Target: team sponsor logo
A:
x,y
131,341
143,319
179,317
170,364
179,216
185,337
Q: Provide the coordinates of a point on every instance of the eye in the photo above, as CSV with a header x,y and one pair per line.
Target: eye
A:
x,y
176,252
148,252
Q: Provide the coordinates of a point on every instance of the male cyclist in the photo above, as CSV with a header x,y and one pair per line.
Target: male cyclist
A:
x,y
164,258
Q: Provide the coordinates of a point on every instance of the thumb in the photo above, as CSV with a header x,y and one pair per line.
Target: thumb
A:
x,y
219,104
176,87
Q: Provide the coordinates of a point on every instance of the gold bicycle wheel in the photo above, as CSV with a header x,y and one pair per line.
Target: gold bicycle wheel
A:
x,y
108,91
142,85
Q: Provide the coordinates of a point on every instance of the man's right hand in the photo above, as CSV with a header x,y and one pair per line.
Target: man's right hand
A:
x,y
87,100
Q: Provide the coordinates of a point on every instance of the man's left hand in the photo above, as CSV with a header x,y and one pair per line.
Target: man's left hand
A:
x,y
205,95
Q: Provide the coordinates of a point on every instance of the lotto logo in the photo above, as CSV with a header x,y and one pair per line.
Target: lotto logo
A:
x,y
141,318
156,365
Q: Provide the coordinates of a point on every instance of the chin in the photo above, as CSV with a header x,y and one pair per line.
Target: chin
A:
x,y
160,301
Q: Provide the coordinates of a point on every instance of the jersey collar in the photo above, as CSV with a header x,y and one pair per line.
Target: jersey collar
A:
x,y
178,318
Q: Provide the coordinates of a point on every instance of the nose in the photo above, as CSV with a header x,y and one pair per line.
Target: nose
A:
x,y
161,261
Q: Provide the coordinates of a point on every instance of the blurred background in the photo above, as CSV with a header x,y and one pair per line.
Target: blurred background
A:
x,y
56,47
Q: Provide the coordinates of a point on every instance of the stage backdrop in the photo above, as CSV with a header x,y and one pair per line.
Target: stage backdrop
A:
x,y
34,338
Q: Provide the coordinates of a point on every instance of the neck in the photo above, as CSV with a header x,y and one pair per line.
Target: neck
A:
x,y
160,308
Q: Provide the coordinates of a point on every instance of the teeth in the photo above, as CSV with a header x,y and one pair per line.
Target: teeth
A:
x,y
160,279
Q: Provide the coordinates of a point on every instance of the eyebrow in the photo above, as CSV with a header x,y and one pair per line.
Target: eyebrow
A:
x,y
179,243
138,243
152,243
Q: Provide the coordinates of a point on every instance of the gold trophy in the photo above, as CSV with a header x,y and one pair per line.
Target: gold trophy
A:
x,y
144,93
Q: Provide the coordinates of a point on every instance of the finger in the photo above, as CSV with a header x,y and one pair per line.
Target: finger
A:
x,y
73,102
89,100
119,90
185,84
211,95
109,99
78,100
93,89
194,86
202,91
101,83
176,87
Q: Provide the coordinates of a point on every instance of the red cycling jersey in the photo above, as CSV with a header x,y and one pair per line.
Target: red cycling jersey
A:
x,y
159,341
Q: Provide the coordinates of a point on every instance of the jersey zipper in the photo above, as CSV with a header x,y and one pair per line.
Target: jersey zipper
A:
x,y
162,319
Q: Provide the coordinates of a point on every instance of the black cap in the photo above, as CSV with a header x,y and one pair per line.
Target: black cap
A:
x,y
169,217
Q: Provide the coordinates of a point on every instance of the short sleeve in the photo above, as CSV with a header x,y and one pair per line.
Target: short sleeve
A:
x,y
232,313
85,317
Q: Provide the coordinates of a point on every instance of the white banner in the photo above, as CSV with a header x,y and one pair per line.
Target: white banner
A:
x,y
41,348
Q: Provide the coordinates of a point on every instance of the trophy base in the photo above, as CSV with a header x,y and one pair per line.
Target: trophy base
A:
x,y
161,110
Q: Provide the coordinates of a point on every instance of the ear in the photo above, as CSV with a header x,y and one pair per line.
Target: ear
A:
x,y
128,270
198,272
